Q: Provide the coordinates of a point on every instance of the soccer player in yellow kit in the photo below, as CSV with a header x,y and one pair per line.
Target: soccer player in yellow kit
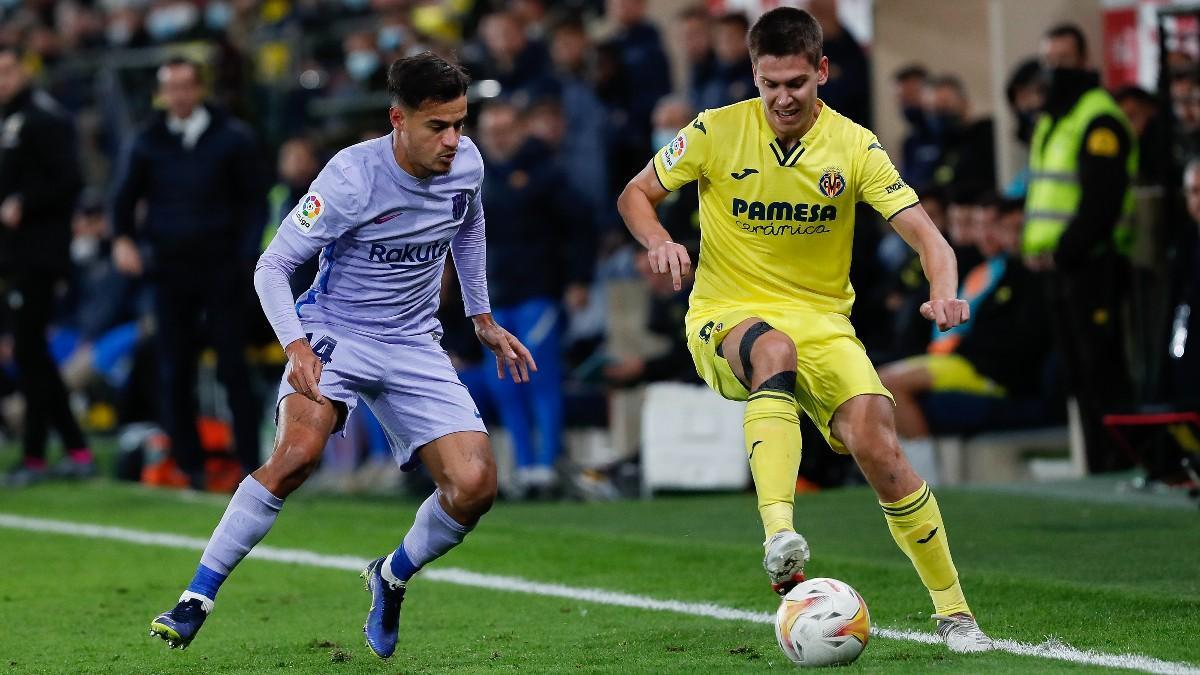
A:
x,y
768,322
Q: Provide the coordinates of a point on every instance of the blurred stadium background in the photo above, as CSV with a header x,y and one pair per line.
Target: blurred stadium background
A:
x,y
576,95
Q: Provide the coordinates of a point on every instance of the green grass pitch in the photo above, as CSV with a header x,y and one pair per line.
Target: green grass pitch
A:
x,y
1114,578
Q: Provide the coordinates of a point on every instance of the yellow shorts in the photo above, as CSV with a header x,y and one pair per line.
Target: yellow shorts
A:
x,y
951,372
832,365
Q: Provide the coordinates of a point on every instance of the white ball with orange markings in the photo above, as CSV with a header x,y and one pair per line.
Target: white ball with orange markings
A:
x,y
822,622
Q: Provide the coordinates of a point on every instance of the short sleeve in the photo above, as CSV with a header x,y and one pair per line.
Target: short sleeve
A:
x,y
880,184
685,158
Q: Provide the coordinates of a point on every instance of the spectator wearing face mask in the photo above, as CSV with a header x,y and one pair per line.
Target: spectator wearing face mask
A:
x,y
968,158
99,332
173,20
921,150
125,28
393,39
363,65
1025,95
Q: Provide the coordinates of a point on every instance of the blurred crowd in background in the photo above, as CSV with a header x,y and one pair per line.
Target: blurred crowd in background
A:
x,y
569,100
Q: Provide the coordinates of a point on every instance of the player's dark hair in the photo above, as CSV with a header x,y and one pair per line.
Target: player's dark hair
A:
x,y
1072,31
414,80
786,31
11,50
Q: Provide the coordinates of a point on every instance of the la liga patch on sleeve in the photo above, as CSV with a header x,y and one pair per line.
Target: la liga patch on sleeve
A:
x,y
674,151
312,205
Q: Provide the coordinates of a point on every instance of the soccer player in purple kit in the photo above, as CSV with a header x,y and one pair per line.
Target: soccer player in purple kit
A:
x,y
383,214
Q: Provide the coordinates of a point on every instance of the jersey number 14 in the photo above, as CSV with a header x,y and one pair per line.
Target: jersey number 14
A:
x,y
323,348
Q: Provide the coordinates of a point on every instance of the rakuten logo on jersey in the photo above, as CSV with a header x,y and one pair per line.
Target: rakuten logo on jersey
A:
x,y
409,255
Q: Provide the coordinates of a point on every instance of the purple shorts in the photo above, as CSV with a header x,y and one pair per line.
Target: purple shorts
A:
x,y
411,386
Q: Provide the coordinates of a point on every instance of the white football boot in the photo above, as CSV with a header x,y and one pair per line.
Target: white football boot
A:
x,y
962,633
787,552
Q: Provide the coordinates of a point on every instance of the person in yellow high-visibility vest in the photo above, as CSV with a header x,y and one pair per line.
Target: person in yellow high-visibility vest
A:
x,y
1082,161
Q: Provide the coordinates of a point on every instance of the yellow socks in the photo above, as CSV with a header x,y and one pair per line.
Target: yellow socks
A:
x,y
916,525
772,429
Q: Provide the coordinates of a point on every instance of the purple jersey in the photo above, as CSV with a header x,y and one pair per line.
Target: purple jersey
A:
x,y
383,236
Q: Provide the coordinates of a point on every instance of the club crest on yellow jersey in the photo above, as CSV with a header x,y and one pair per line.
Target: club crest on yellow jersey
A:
x,y
832,183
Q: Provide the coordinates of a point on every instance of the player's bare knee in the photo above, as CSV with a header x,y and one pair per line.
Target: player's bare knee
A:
x,y
774,352
292,462
873,445
472,491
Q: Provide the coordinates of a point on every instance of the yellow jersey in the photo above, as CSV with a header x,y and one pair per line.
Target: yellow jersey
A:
x,y
776,225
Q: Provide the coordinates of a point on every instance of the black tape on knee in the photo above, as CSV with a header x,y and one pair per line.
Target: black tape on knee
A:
x,y
752,334
784,382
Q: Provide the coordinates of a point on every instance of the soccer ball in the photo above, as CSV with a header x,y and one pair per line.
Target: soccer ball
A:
x,y
822,622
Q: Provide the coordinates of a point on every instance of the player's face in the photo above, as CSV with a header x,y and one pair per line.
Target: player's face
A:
x,y
430,134
788,86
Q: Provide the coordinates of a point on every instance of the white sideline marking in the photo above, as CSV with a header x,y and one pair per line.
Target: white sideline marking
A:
x,y
1050,649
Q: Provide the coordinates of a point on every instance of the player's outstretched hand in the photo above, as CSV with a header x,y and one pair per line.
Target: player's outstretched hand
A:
x,y
946,313
667,257
304,370
509,351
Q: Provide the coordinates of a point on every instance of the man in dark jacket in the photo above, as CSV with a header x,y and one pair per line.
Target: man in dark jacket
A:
x,y
197,172
39,185
644,77
732,76
968,153
539,251
1079,216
